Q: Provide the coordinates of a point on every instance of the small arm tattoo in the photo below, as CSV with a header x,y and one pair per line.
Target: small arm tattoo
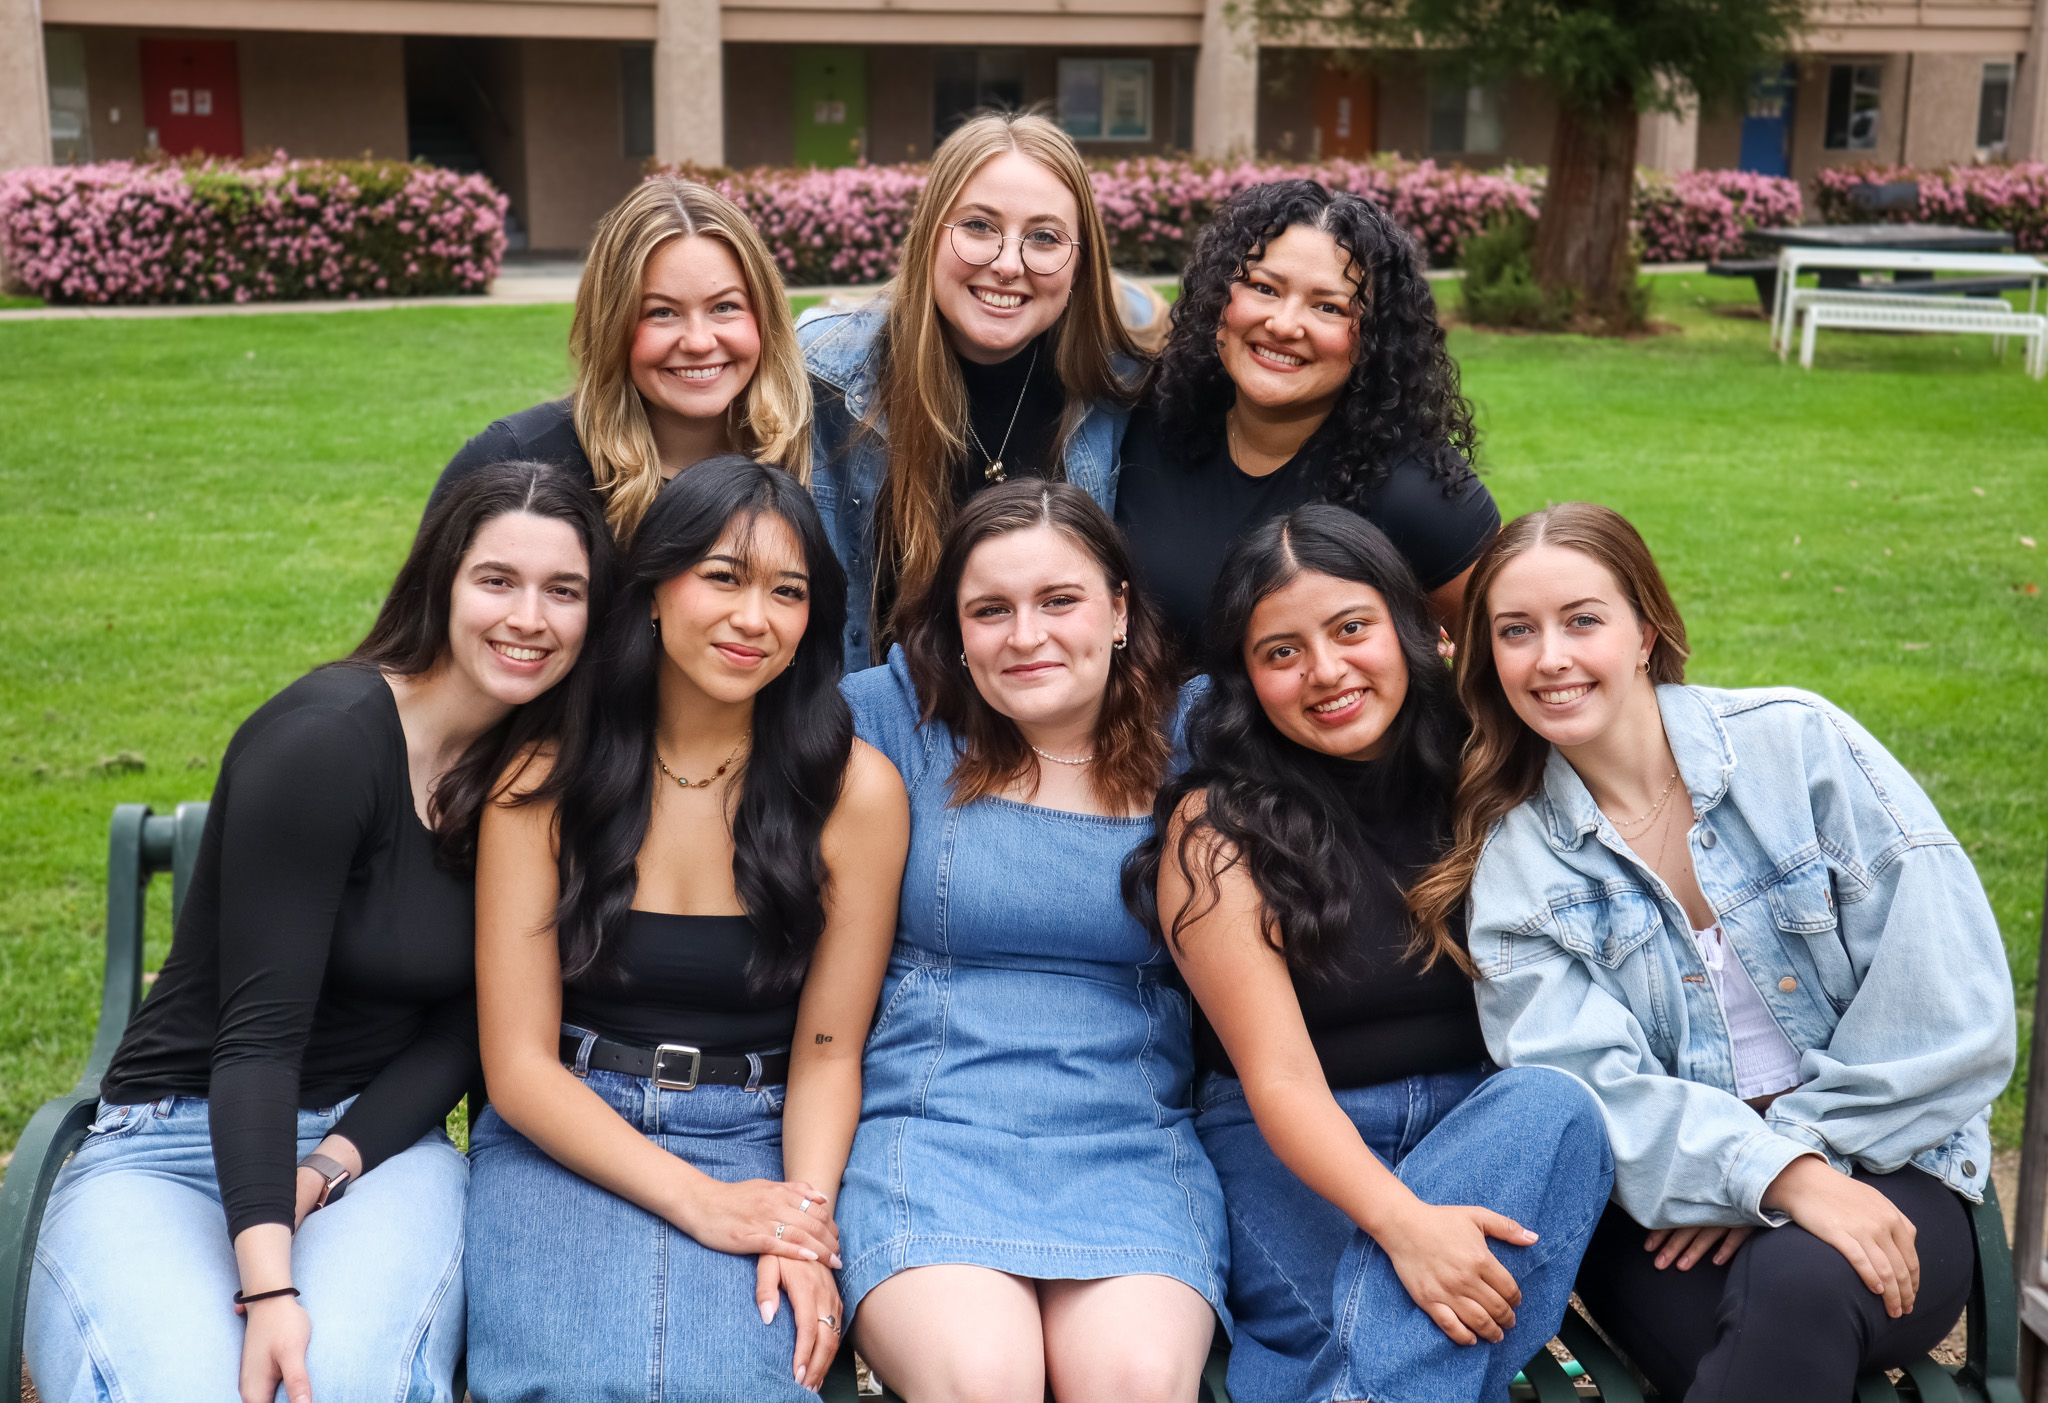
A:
x,y
824,1037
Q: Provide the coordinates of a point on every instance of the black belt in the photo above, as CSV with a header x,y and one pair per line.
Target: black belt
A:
x,y
675,1067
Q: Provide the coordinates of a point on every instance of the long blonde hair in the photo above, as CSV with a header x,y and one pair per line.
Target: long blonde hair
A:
x,y
1504,757
922,394
771,418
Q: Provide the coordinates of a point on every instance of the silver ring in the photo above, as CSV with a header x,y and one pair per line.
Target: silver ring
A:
x,y
804,1207
830,1322
780,1229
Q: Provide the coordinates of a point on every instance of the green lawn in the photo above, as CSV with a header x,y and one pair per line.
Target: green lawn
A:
x,y
205,508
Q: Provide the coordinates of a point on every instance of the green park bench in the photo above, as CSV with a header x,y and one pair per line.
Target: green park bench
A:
x,y
143,844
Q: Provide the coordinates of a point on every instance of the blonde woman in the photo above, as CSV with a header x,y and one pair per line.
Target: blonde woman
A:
x,y
996,353
684,350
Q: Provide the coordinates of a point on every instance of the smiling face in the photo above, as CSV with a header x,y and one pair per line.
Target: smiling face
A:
x,y
696,343
1289,332
1567,644
1038,623
993,310
520,606
1327,664
731,623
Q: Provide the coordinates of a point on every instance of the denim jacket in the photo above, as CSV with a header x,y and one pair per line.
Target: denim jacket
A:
x,y
1856,913
842,353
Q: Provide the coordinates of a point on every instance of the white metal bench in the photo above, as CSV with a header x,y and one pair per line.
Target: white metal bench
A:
x,y
1802,298
2031,328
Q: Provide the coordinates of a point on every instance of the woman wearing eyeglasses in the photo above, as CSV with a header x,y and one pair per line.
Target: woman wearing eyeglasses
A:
x,y
996,353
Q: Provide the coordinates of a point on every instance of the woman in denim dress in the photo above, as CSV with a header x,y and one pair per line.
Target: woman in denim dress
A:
x,y
1026,1201
1738,920
1405,1221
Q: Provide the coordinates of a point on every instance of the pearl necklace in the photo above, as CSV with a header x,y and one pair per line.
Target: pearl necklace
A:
x,y
1057,759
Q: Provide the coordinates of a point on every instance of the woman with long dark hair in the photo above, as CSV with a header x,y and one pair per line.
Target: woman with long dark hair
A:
x,y
1739,920
682,918
995,353
1305,364
1026,1203
318,1007
1405,1221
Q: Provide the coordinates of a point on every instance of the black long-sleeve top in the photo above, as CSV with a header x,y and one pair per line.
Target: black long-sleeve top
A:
x,y
322,952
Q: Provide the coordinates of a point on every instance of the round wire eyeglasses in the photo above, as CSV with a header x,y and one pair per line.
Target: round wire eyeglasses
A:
x,y
1044,251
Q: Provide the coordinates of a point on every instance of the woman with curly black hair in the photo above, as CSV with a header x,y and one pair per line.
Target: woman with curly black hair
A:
x,y
1305,364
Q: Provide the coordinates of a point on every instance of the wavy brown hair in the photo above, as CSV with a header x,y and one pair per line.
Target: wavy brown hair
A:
x,y
923,400
769,420
1131,745
1504,758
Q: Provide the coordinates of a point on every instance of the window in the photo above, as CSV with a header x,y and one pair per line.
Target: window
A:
x,y
965,81
1852,106
1463,118
1994,99
70,116
636,99
1106,99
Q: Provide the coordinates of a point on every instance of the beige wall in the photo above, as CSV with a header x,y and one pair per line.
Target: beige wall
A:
x,y
323,94
1944,90
759,115
1810,106
1721,140
576,166
24,87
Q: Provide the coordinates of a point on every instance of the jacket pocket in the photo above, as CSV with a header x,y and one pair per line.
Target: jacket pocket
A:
x,y
1607,927
1803,908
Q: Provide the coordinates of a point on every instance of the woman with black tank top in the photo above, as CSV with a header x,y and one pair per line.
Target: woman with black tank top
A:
x,y
1367,1150
683,919
269,1143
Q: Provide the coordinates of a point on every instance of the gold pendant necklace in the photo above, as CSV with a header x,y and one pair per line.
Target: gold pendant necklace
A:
x,y
716,774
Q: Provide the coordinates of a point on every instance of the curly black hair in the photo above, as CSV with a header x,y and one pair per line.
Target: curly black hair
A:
x,y
1402,399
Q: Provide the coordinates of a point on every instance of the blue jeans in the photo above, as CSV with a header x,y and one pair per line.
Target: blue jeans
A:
x,y
1320,1313
575,1293
131,1296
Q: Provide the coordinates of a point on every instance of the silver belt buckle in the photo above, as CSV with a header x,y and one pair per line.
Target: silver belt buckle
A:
x,y
661,1055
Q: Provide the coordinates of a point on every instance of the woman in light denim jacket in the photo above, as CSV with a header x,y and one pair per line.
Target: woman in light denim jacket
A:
x,y
1738,919
997,352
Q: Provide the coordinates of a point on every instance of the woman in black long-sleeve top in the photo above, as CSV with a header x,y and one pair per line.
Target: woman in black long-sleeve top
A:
x,y
318,1006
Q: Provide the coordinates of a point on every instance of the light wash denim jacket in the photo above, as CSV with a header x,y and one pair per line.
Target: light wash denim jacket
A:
x,y
1856,913
843,354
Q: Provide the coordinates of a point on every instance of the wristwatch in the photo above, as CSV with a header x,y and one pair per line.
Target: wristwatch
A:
x,y
331,1170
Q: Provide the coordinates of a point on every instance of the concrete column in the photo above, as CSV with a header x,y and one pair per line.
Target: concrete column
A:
x,y
689,83
1227,83
1670,141
24,86
2026,133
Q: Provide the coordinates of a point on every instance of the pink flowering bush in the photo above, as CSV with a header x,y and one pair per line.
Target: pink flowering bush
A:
x,y
2013,197
271,229
845,225
1697,215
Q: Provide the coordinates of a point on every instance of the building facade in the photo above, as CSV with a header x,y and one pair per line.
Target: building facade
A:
x,y
562,102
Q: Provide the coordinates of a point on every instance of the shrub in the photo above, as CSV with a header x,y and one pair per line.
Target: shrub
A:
x,y
1707,214
844,225
2012,197
236,231
1500,288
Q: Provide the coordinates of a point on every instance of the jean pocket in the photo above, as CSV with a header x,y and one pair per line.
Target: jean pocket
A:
x,y
117,1122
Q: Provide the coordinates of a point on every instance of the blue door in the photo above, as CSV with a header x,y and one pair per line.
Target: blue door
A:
x,y
1767,123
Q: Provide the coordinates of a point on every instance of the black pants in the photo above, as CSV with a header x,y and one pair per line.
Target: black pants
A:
x,y
1788,1319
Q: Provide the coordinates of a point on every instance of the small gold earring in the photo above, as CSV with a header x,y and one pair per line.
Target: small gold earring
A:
x,y
1643,667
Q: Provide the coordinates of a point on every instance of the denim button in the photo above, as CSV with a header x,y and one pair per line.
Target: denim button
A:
x,y
1707,838
1787,984
1970,1168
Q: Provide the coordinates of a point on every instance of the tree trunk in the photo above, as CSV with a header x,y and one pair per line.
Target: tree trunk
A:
x,y
1582,238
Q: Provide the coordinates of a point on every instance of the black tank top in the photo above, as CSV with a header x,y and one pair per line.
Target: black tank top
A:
x,y
682,979
1382,1018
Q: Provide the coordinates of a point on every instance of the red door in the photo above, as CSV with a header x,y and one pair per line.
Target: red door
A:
x,y
1345,111
192,96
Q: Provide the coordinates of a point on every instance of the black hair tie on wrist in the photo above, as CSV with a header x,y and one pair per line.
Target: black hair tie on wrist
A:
x,y
242,1300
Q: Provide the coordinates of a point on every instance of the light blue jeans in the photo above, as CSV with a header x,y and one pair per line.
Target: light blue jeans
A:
x,y
576,1294
1320,1313
131,1296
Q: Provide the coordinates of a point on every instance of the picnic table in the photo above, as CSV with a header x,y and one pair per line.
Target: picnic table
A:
x,y
1990,269
1929,238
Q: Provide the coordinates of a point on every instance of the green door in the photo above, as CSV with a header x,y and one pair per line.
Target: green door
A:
x,y
831,120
